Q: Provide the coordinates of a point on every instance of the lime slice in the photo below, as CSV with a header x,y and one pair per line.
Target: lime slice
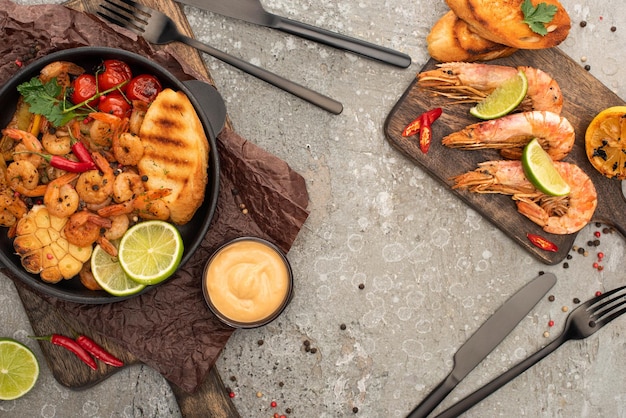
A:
x,y
110,276
504,99
540,171
151,251
19,369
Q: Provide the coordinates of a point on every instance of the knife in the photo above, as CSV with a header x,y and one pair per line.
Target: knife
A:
x,y
252,11
486,338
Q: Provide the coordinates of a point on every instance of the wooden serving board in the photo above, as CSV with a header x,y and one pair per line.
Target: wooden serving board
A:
x,y
211,398
584,97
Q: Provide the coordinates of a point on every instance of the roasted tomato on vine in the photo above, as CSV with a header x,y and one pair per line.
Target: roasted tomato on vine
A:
x,y
113,73
116,104
144,87
83,88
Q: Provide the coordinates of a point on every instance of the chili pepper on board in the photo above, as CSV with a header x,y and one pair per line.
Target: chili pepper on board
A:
x,y
541,242
71,345
98,352
422,125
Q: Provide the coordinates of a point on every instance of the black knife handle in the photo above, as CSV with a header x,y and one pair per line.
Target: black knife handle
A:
x,y
477,396
434,398
340,41
289,86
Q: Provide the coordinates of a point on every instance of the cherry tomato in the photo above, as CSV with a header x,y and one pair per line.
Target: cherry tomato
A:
x,y
84,87
113,73
116,104
143,87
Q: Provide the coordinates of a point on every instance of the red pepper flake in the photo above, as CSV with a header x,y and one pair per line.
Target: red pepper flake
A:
x,y
541,242
551,323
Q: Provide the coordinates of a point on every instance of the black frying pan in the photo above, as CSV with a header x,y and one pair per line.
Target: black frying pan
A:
x,y
212,112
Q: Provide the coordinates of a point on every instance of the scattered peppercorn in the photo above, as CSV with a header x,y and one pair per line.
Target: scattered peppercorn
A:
x,y
231,394
583,23
592,324
281,384
550,323
613,28
355,409
598,293
581,250
576,300
600,268
342,326
546,334
551,298
587,67
259,394
233,378
306,343
565,309
597,234
313,350
260,342
273,404
565,265
361,286
569,257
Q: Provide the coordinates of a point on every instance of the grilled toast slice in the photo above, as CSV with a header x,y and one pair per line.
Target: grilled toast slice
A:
x,y
501,21
451,40
176,153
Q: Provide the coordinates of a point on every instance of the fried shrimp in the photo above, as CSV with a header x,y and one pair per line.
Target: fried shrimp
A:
x,y
105,127
147,205
12,208
556,215
511,133
61,199
27,148
61,70
127,185
119,226
471,82
56,141
83,228
127,148
96,186
23,177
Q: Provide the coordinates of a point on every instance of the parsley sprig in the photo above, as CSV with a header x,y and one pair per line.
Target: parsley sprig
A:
x,y
48,99
536,17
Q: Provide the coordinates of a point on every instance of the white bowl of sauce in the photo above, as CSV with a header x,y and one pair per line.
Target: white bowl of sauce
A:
x,y
247,282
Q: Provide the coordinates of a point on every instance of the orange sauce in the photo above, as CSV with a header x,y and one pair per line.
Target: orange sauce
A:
x,y
247,281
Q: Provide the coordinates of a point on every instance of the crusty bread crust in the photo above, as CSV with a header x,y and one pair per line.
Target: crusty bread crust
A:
x,y
501,21
451,40
176,155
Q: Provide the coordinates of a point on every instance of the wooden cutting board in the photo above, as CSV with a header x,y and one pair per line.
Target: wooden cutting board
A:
x,y
211,398
584,97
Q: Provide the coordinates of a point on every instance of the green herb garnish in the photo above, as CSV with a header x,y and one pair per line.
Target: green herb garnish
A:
x,y
43,100
537,17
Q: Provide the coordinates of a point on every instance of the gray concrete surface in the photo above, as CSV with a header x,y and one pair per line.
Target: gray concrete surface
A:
x,y
433,269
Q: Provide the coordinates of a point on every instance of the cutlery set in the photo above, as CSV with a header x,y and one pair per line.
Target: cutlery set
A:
x,y
581,323
158,28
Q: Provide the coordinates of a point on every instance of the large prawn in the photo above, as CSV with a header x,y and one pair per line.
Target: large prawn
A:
x,y
511,133
556,215
467,82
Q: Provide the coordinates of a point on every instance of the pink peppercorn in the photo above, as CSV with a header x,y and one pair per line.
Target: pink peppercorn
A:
x,y
551,323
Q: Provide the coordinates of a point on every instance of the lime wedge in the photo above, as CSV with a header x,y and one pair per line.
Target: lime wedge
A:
x,y
109,274
504,99
19,369
540,171
151,251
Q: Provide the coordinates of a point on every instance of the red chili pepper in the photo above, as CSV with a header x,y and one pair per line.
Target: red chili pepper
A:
x,y
422,125
78,147
65,164
71,345
542,243
98,352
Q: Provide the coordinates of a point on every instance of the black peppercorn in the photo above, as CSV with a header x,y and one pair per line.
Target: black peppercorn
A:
x,y
551,298
361,286
583,23
576,300
342,326
355,409
565,265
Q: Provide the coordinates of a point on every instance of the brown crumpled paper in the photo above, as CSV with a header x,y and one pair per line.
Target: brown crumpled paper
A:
x,y
169,328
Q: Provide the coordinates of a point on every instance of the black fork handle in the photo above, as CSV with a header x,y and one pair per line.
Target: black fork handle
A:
x,y
480,394
340,41
298,90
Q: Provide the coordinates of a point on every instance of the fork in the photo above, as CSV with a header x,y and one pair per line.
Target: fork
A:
x,y
159,29
582,322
